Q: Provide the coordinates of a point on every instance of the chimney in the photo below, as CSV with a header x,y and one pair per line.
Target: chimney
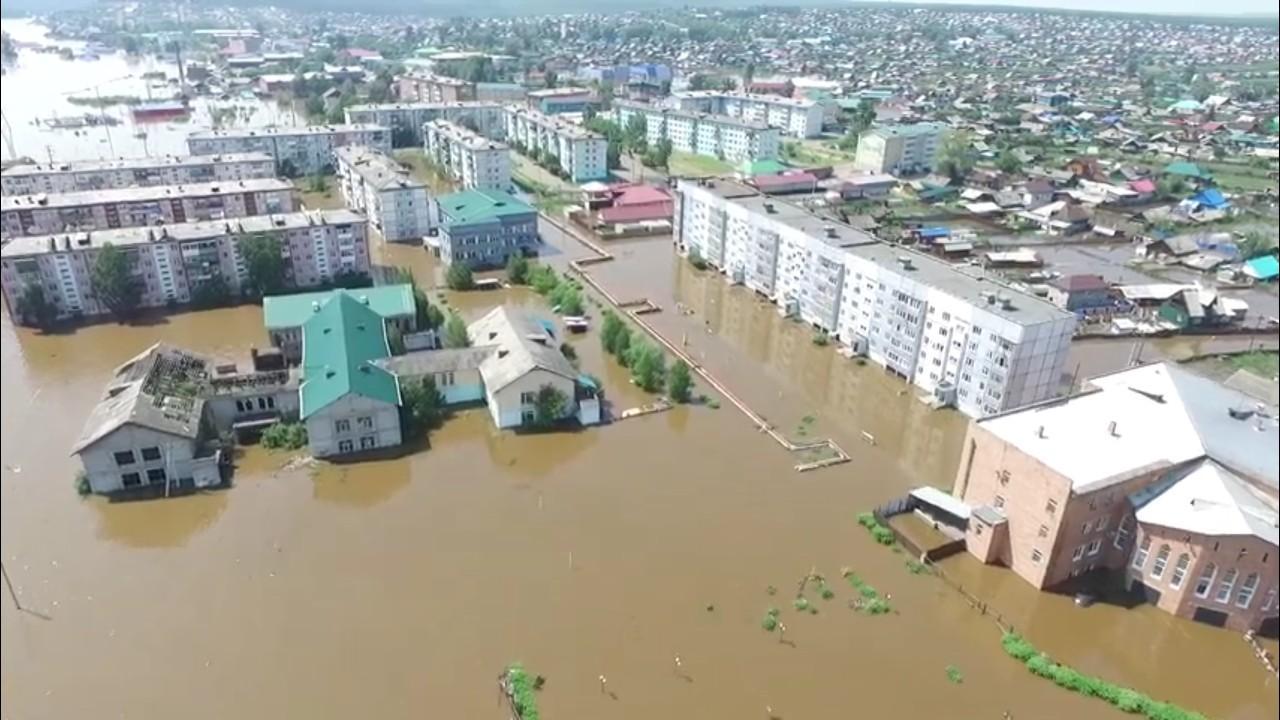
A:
x,y
905,262
1112,429
768,207
1040,432
1006,302
830,230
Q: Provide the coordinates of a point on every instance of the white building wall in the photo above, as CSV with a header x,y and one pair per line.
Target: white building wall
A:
x,y
508,406
175,458
326,436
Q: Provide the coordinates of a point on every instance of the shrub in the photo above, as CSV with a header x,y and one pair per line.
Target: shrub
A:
x,y
954,674
459,277
770,621
882,535
521,689
801,603
915,567
821,339
867,520
877,606
285,436
827,593
82,484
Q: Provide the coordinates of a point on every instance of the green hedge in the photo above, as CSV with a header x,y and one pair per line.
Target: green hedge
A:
x,y
1123,698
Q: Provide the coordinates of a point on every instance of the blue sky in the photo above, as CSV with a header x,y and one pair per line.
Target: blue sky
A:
x,y
1166,7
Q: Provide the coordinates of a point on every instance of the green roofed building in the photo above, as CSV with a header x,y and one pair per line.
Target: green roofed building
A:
x,y
482,228
751,168
284,315
348,401
1187,170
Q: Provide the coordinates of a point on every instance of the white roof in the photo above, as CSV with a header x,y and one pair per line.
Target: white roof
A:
x,y
1211,500
1163,416
937,498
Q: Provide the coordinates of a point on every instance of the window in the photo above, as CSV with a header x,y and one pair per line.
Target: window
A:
x,y
1088,525
342,426
345,446
1095,547
1140,555
998,502
1077,554
1250,586
367,442
156,475
1003,475
1102,524
527,398
365,423
1036,557
1179,571
1269,601
1162,561
124,457
1225,586
150,453
131,479
1051,507
1206,580
1043,532
1122,533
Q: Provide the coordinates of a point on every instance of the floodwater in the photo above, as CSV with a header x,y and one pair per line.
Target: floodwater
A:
x,y
36,87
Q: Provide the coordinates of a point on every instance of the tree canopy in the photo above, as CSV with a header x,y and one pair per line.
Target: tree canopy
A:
x,y
264,264
113,281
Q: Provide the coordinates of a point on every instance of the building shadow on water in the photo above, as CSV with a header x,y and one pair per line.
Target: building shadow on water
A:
x,y
366,479
1103,587
160,522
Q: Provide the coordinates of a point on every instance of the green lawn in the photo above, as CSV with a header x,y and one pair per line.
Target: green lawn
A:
x,y
682,163
1265,364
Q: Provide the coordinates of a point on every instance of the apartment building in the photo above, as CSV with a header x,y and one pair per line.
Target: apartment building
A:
x,y
131,207
80,176
483,228
560,100
406,119
425,87
1155,477
172,262
582,154
727,138
969,342
900,149
476,162
375,184
296,150
794,117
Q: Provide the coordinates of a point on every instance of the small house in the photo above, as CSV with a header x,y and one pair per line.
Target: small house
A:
x,y
1080,292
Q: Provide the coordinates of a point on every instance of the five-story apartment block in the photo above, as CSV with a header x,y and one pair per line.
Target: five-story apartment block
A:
x,y
396,204
87,175
721,136
794,117
476,162
296,150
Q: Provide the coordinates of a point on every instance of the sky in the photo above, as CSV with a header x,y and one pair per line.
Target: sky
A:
x,y
1155,7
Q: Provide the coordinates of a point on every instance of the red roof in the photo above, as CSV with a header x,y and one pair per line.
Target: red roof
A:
x,y
630,194
1144,185
637,212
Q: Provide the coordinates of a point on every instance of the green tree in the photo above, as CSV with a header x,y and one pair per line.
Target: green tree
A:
x,y
1253,244
424,405
459,277
549,406
610,326
567,299
264,263
1009,162
113,281
543,279
517,269
648,365
455,332
680,382
317,183
314,106
551,78
211,293
35,307
1170,187
955,158
634,135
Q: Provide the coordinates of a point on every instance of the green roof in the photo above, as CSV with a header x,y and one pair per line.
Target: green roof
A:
x,y
477,206
339,344
290,311
1185,169
761,167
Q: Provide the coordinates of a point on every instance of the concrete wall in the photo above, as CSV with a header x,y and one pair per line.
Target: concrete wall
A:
x,y
175,458
324,438
506,406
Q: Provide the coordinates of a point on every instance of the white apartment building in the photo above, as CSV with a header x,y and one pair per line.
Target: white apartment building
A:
x,y
582,154
406,119
375,184
730,139
43,214
968,341
900,149
476,162
79,176
794,117
296,150
172,262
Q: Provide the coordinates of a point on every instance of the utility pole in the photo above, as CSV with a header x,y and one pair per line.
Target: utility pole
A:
x,y
9,585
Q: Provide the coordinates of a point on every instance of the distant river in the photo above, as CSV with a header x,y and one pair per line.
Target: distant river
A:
x,y
36,86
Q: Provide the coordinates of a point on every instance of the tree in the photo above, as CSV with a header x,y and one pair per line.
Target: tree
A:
x,y
424,405
211,293
317,183
551,78
609,330
314,106
459,277
1008,162
748,75
634,135
264,263
1254,243
648,366
517,269
955,159
543,279
35,307
455,332
1170,187
567,299
659,155
113,281
680,382
549,406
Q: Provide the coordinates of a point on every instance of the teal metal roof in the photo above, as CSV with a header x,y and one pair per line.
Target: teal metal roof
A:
x,y
479,206
1186,169
340,342
290,311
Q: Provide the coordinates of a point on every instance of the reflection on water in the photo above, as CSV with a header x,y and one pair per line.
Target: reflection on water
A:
x,y
160,523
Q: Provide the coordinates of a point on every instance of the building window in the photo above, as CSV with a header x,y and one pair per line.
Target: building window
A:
x,y
1095,547
1162,561
365,423
1044,531
1225,586
1179,571
1088,525
1051,507
1206,580
1077,554
131,479
1036,556
1102,524
1140,555
528,398
1003,475
150,453
367,442
345,446
1269,601
342,426
1122,533
1250,586
998,502
156,475
124,457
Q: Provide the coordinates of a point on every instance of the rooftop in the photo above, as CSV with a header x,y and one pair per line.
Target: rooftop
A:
x,y
340,343
137,163
464,136
520,344
908,129
477,206
554,123
376,168
636,106
142,194
286,131
1208,499
754,97
290,311
558,92
158,389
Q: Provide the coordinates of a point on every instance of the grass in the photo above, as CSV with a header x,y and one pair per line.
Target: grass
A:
x,y
1266,364
682,163
879,533
1123,698
954,674
521,689
871,603
915,567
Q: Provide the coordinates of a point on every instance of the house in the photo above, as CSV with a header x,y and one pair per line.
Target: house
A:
x,y
1262,269
1144,187
1188,171
149,430
482,228
1059,217
1037,192
866,186
1156,478
1198,307
347,401
284,315
791,181
1080,292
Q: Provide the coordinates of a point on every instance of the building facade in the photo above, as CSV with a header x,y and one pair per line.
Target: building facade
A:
x,y
483,228
1162,479
794,117
472,160
90,175
406,119
582,154
174,262
373,183
560,100
900,149
296,150
284,315
135,207
425,87
721,136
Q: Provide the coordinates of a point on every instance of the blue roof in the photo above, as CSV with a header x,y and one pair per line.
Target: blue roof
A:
x,y
1212,198
549,326
1264,268
934,232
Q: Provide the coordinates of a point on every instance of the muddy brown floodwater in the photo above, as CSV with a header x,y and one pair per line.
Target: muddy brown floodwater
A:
x,y
400,588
